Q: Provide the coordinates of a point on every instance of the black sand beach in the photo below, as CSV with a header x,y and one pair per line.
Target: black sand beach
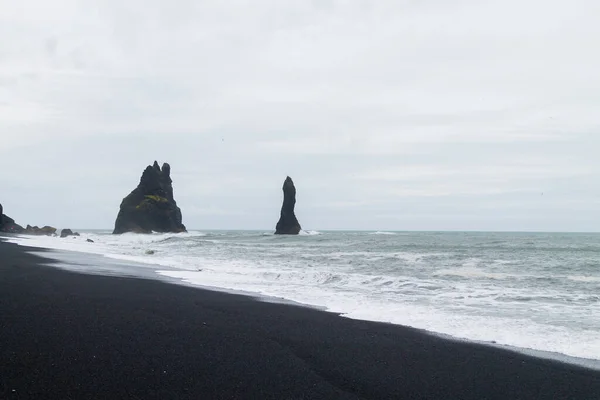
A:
x,y
65,335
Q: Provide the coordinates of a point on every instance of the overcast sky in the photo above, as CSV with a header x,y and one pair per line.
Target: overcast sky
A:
x,y
388,114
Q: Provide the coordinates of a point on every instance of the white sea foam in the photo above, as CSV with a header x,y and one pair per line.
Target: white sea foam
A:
x,y
472,272
309,233
580,278
127,247
382,233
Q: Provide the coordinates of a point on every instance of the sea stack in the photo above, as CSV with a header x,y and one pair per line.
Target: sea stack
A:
x,y
288,224
151,207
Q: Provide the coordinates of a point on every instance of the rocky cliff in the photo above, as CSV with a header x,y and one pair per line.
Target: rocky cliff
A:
x,y
151,207
8,224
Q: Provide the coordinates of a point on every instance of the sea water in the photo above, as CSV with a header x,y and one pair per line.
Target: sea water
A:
x,y
537,291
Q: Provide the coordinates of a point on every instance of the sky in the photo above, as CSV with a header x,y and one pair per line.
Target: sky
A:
x,y
388,114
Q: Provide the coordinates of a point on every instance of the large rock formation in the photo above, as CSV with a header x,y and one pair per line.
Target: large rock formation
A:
x,y
36,230
8,224
150,207
288,224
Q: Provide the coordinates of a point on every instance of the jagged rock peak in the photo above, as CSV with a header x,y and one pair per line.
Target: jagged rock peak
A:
x,y
288,223
166,170
151,207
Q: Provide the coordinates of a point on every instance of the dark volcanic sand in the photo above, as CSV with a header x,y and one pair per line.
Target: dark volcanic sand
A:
x,y
70,336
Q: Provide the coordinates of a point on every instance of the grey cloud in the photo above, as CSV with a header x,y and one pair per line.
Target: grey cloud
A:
x,y
389,115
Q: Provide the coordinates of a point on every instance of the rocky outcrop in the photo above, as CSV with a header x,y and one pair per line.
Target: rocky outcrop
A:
x,y
35,230
8,224
288,224
67,232
151,207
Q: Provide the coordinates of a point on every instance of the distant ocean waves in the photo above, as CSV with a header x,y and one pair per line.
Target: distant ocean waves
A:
x,y
530,291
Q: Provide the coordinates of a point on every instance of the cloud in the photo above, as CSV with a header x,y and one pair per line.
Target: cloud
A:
x,y
366,104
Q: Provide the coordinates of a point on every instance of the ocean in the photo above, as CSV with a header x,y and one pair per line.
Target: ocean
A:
x,y
535,292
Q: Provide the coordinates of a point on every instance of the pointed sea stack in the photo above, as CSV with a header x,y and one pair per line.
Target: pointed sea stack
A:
x,y
288,224
151,207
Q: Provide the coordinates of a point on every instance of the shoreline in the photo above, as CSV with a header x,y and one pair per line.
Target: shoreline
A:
x,y
89,262
73,335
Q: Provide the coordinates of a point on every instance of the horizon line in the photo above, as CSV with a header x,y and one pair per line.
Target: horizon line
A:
x,y
364,230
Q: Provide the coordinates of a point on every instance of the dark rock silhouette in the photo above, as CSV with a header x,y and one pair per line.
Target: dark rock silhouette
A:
x,y
8,225
67,232
288,224
151,207
89,240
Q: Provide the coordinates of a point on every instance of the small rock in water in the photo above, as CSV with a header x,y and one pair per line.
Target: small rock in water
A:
x,y
89,240
67,232
149,251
